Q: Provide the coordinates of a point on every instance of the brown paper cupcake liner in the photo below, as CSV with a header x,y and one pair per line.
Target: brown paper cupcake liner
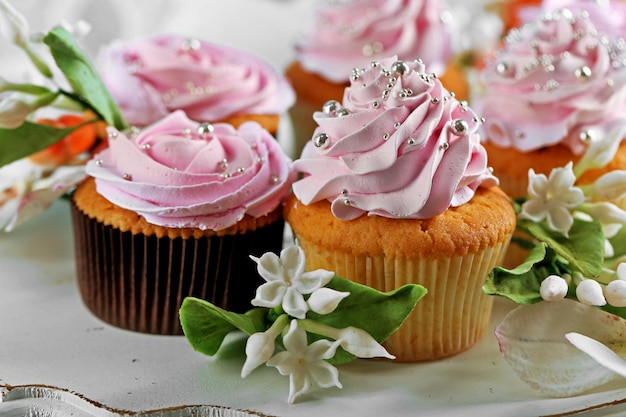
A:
x,y
451,318
138,282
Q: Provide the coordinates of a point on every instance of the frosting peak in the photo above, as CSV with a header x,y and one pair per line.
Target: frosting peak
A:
x,y
399,145
153,77
181,173
555,80
359,31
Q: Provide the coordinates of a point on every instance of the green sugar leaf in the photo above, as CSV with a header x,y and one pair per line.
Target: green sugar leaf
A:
x,y
205,325
85,81
378,313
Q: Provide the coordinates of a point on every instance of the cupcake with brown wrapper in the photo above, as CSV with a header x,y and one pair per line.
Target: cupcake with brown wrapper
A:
x,y
175,210
396,190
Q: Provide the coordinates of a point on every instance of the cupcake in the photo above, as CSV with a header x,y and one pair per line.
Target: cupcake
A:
x,y
153,77
558,83
175,210
396,190
352,34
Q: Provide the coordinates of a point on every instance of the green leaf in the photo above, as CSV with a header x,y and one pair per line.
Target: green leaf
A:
x,y
522,283
28,139
583,249
85,81
205,325
380,314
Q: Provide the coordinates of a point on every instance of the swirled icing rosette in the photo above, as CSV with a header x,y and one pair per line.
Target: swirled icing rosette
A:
x,y
152,77
400,146
181,173
357,32
557,80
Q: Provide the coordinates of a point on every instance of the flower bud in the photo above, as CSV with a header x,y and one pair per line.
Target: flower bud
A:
x,y
13,112
615,293
325,300
590,292
553,288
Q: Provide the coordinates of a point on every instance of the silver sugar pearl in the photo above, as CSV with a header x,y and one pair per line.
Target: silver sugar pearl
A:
x,y
330,107
583,72
321,140
385,136
444,146
411,141
205,129
127,177
396,125
274,179
112,134
400,67
99,162
459,127
342,112
347,202
586,136
344,192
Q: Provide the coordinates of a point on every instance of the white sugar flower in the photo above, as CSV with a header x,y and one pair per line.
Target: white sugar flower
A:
x,y
260,346
553,288
305,364
15,25
551,198
589,292
287,283
13,112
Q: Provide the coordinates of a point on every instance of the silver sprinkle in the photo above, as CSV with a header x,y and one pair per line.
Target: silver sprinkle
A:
x,y
586,136
205,129
375,104
223,164
330,107
434,100
260,160
127,177
146,146
347,202
411,141
321,140
186,131
459,127
396,125
502,68
444,146
583,72
400,67
190,45
344,192
385,136
112,134
385,94
99,162
241,170
342,112
519,134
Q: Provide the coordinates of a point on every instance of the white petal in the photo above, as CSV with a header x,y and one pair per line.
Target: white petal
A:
x,y
325,375
307,282
559,219
325,300
295,340
537,184
321,349
293,261
15,24
299,384
362,344
270,294
561,179
601,151
589,292
532,340
294,304
599,352
534,210
270,267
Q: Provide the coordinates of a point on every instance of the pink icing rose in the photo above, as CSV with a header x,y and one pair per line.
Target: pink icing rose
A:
x,y
153,77
180,173
353,34
399,146
556,80
608,16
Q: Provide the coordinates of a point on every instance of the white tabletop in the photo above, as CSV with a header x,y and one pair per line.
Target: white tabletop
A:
x,y
88,368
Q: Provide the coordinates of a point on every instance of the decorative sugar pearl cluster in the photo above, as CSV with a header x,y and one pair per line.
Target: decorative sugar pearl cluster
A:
x,y
588,291
398,69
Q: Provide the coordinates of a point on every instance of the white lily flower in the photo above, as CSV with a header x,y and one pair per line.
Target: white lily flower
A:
x,y
602,149
610,186
605,212
615,293
287,281
552,198
305,364
589,292
16,28
27,189
553,288
260,346
325,300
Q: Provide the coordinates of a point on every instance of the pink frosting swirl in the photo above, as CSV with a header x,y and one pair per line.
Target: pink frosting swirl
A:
x,y
555,81
353,34
399,146
180,173
153,77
